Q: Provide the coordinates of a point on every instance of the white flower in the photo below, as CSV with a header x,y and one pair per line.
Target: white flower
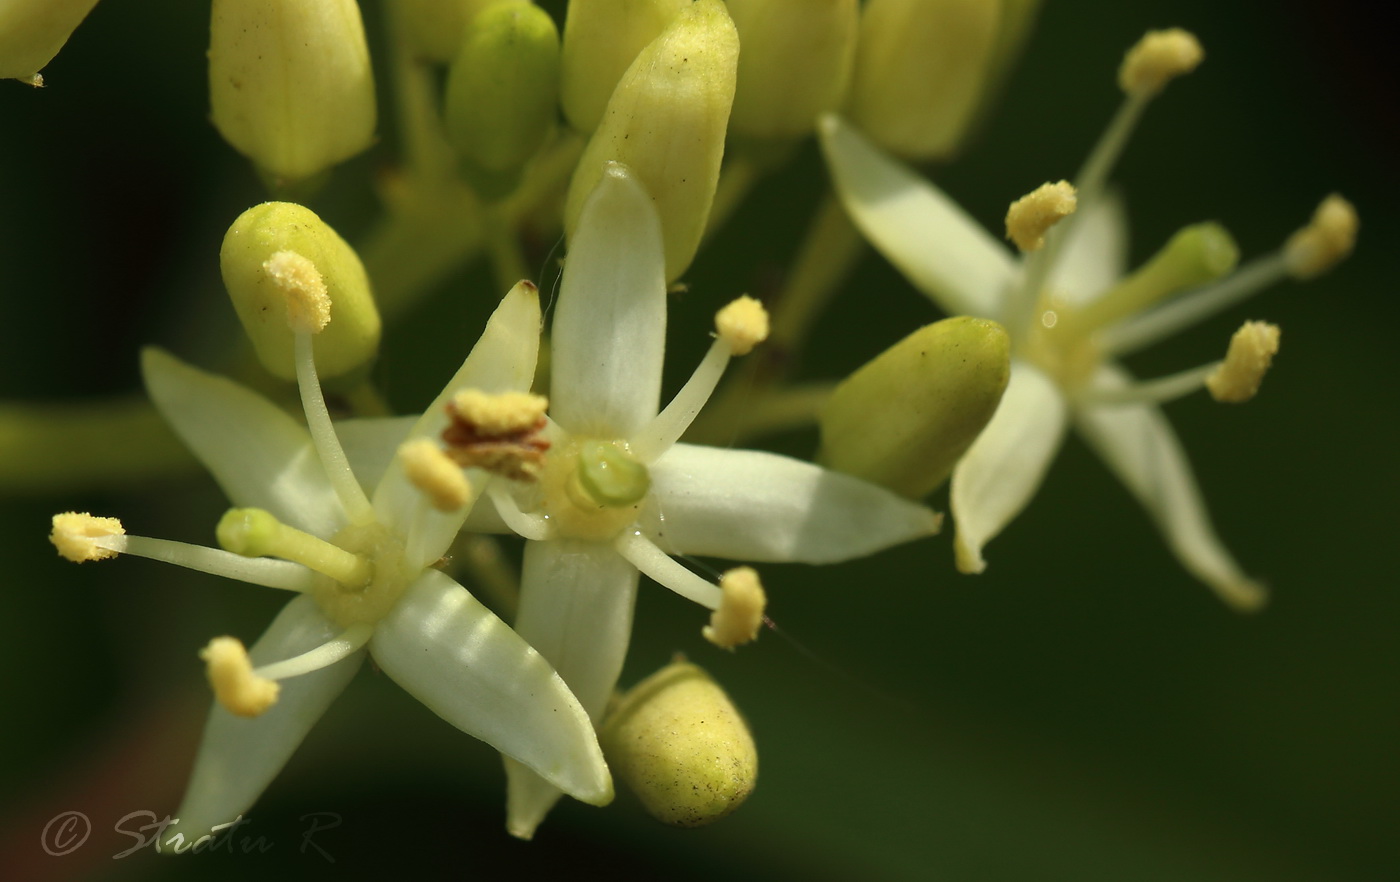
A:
x,y
421,627
617,495
1069,313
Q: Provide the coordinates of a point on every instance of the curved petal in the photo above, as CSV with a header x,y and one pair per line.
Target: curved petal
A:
x,y
371,443
451,653
933,242
750,505
1003,468
238,756
1095,255
1138,444
576,601
503,360
610,324
259,455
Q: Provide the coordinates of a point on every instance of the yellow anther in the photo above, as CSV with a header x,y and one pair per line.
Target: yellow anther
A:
x,y
74,534
740,613
502,414
1031,217
308,303
1252,350
431,470
236,687
1325,241
743,324
1157,59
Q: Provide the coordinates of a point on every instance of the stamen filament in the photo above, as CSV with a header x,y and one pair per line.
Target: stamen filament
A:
x,y
666,428
323,438
347,643
266,572
1159,391
528,526
643,554
1143,330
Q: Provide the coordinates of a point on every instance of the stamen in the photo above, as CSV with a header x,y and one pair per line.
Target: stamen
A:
x,y
252,532
269,573
527,526
77,535
1157,59
1325,241
743,324
1194,256
434,472
323,438
1158,391
1031,217
308,303
502,434
739,326
1252,350
645,556
347,643
236,686
740,612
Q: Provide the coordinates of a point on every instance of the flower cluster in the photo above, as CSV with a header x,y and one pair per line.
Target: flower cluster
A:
x,y
631,134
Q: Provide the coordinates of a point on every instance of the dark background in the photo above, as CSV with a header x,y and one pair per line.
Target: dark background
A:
x,y
1083,711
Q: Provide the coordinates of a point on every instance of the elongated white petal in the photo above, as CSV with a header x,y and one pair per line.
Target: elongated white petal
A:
x,y
939,247
259,455
503,360
240,756
453,654
371,444
1138,444
610,325
1000,473
1095,255
576,601
749,505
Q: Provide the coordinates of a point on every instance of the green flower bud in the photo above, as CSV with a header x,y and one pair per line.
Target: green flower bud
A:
x,y
924,67
276,229
795,64
678,742
290,85
601,38
32,32
666,121
502,90
904,419
434,29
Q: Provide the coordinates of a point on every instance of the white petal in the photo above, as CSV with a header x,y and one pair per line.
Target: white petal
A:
x,y
1095,255
610,324
259,455
1000,473
749,505
371,443
1138,444
503,360
453,654
239,757
576,601
939,247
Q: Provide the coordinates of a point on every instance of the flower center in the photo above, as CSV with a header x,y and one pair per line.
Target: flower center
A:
x,y
369,601
593,488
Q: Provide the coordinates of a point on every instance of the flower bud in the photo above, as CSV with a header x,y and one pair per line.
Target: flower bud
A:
x,y
246,260
678,742
290,85
904,419
601,39
502,90
32,32
666,121
924,67
434,29
795,64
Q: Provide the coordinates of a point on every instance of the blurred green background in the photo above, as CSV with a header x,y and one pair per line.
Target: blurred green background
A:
x,y
1083,711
